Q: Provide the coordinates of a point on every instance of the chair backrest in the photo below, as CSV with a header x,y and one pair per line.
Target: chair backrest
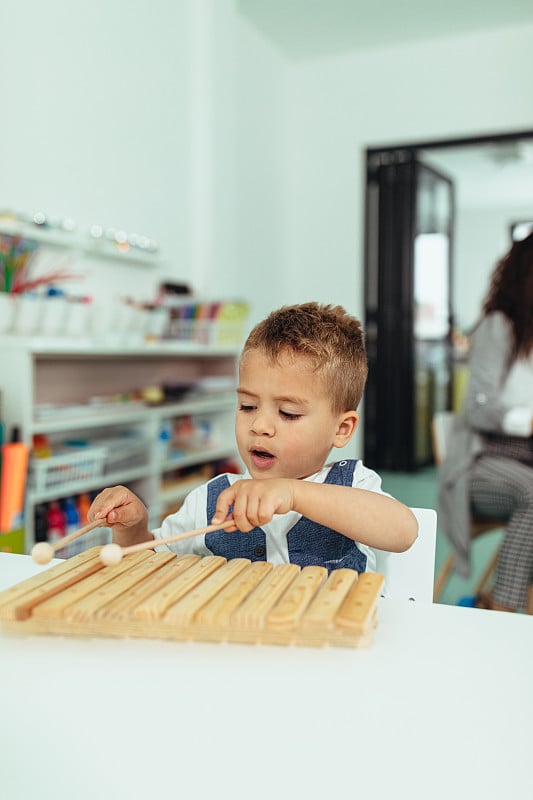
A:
x,y
441,428
411,575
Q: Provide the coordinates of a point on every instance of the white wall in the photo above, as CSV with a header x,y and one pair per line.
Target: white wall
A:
x,y
162,117
177,119
482,238
250,154
96,122
457,87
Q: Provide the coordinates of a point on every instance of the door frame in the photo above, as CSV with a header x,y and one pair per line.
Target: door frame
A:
x,y
411,150
435,144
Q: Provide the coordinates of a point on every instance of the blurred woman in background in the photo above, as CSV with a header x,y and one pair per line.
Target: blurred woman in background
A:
x,y
489,464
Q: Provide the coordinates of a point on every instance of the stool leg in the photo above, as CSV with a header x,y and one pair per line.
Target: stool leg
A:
x,y
487,572
443,576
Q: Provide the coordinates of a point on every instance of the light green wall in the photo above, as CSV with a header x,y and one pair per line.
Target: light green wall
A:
x,y
457,87
178,119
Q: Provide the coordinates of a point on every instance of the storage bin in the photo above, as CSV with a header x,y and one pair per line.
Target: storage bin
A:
x,y
63,469
124,452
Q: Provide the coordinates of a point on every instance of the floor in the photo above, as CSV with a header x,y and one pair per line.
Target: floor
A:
x,y
420,490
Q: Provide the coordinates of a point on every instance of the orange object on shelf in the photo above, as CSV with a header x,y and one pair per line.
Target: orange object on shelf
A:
x,y
13,485
84,503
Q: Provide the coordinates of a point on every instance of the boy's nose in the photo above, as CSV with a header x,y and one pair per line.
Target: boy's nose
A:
x,y
262,425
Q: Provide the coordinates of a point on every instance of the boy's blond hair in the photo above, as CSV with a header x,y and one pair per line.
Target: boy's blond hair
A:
x,y
328,336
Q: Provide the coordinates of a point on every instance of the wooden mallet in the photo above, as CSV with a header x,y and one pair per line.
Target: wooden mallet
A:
x,y
43,552
113,553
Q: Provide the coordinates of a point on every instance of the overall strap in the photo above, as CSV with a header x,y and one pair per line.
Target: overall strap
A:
x,y
310,543
341,473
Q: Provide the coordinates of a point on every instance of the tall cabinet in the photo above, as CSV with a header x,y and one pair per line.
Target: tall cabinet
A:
x,y
77,405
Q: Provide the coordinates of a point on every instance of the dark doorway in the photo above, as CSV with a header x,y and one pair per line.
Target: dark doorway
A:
x,y
409,282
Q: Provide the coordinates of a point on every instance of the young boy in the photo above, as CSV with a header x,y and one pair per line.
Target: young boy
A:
x,y
302,373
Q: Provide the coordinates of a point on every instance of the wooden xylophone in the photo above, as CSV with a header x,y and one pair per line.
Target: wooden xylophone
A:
x,y
164,596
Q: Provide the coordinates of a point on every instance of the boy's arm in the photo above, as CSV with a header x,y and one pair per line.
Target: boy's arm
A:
x,y
365,516
368,517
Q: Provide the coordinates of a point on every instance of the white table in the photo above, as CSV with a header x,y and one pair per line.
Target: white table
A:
x,y
440,706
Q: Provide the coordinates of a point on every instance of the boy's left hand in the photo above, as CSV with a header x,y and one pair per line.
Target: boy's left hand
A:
x,y
254,502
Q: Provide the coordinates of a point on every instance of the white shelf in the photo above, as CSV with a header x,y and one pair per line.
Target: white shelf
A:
x,y
79,242
197,457
225,400
175,494
65,420
36,372
96,419
88,348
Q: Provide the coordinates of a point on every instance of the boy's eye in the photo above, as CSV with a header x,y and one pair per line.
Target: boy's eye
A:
x,y
245,407
288,415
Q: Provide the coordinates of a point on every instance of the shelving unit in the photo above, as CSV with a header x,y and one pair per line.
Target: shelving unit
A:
x,y
47,386
79,242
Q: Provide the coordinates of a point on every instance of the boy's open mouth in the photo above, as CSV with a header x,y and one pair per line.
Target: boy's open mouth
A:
x,y
261,459
262,454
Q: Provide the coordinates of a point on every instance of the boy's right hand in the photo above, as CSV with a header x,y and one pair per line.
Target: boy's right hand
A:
x,y
121,509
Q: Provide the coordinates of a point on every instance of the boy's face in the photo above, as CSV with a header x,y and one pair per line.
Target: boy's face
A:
x,y
285,427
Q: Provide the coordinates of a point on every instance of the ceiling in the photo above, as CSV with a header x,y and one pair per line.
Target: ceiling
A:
x,y
310,28
486,174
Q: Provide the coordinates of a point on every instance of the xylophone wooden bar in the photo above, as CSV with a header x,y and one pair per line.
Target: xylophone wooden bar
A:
x,y
22,598
122,606
160,595
83,600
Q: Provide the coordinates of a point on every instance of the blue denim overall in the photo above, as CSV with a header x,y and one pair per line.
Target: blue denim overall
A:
x,y
308,542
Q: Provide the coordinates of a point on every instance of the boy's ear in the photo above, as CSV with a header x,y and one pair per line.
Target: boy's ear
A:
x,y
346,427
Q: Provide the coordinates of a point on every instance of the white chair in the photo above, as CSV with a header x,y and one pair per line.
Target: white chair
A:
x,y
410,575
